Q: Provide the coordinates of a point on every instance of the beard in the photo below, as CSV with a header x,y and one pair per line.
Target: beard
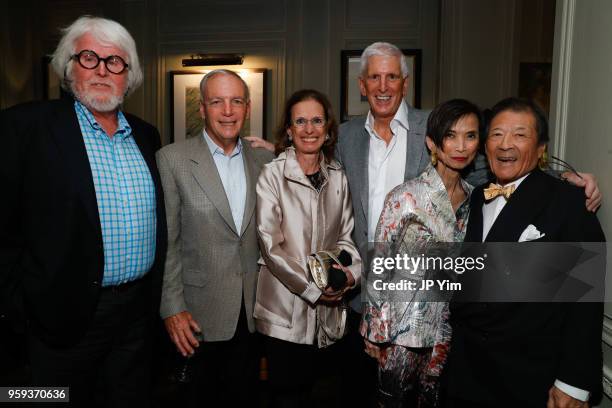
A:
x,y
98,101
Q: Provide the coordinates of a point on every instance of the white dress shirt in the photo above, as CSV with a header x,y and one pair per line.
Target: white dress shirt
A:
x,y
232,175
490,211
386,163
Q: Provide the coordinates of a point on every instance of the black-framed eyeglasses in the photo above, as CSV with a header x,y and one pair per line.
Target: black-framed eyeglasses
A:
x,y
90,60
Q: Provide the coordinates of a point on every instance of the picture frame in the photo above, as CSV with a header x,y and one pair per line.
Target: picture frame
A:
x,y
185,100
352,103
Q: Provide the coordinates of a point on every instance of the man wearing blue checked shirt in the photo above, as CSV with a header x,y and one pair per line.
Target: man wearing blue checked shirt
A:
x,y
82,230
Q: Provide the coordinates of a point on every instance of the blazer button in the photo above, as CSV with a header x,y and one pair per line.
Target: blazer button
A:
x,y
95,283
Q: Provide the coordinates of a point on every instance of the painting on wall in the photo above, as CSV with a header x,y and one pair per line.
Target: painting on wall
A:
x,y
186,119
534,83
352,103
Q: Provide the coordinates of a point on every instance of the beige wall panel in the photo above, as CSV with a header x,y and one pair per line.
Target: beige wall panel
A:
x,y
130,12
193,16
366,15
478,50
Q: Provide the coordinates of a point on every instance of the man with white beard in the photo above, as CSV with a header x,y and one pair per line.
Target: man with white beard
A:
x,y
82,225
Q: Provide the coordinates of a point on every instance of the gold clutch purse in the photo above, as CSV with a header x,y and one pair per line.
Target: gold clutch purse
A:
x,y
323,274
331,320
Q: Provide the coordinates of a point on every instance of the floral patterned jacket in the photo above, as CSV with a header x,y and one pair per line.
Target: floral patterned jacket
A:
x,y
415,213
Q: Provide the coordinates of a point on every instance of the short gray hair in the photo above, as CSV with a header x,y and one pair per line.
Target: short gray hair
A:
x,y
216,72
106,32
383,49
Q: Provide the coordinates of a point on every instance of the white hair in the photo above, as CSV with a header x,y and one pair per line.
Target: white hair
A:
x,y
105,31
223,71
383,49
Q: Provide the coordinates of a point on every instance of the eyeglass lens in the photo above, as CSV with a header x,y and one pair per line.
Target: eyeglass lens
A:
x,y
90,60
316,122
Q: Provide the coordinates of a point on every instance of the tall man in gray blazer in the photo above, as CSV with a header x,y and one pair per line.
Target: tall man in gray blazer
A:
x,y
380,151
211,265
387,147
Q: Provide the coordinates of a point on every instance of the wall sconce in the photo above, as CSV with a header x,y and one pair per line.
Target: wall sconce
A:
x,y
198,60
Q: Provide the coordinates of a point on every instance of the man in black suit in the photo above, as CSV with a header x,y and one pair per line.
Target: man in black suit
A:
x,y
525,354
82,223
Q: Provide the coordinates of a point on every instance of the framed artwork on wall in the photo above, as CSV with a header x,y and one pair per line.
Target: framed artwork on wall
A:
x,y
352,103
186,119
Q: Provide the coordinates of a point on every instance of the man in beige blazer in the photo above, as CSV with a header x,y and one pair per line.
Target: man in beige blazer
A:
x,y
211,264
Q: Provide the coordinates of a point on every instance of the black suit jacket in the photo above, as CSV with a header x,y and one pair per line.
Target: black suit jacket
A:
x,y
52,258
509,354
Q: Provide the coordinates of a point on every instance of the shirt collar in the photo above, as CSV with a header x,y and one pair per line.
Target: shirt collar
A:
x,y
215,149
516,182
400,118
431,177
123,127
293,171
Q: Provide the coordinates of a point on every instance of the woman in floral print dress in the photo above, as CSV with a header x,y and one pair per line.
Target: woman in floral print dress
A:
x,y
410,338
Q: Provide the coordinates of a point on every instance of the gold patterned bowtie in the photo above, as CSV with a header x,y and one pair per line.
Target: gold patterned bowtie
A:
x,y
495,190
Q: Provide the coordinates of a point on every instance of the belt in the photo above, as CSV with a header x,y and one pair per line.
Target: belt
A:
x,y
123,287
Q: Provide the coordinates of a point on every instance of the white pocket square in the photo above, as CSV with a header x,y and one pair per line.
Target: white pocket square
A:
x,y
531,233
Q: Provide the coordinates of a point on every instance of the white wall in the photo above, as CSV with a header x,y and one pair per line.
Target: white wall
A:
x,y
582,111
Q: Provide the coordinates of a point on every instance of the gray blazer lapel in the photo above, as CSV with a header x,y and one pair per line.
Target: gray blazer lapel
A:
x,y
207,176
416,143
251,173
361,157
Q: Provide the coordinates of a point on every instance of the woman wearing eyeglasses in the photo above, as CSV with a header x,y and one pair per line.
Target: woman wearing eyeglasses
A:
x,y
303,206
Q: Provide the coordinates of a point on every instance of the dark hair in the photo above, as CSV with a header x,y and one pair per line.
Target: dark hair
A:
x,y
514,104
282,139
446,114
